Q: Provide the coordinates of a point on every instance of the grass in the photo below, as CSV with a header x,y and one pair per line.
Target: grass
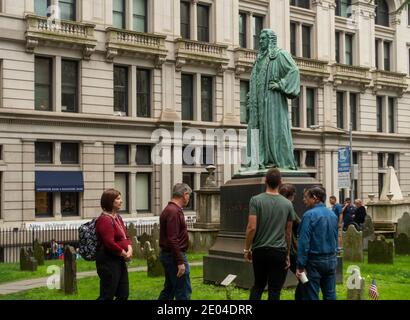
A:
x,y
393,283
10,272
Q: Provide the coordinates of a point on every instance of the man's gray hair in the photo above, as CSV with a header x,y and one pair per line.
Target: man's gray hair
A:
x,y
179,189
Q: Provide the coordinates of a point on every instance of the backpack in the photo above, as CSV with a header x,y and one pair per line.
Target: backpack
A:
x,y
87,235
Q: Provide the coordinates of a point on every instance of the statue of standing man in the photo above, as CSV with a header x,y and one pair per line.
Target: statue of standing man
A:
x,y
275,78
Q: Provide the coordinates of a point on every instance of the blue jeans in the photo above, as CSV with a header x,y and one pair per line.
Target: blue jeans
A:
x,y
321,272
174,287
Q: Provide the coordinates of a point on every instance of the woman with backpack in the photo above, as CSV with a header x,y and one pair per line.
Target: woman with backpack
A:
x,y
113,248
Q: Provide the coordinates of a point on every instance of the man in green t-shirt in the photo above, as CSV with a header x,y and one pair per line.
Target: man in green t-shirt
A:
x,y
269,231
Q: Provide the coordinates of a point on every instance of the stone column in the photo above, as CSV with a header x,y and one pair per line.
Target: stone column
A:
x,y
365,34
194,20
229,116
57,84
325,22
279,21
169,112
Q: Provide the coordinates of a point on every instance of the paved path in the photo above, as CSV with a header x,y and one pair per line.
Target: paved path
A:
x,y
23,285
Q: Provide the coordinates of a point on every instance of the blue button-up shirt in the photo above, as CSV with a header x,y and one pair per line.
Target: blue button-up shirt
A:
x,y
317,234
337,209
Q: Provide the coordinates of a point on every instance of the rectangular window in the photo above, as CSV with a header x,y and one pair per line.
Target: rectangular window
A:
x,y
207,155
408,14
376,45
343,8
69,203
41,7
118,14
203,23
379,113
257,28
69,153
121,184
300,3
391,160
310,160
380,160
143,93
392,115
187,96
188,178
185,20
206,99
143,155
296,112
353,110
340,105
349,49
67,9
121,152
143,192
121,90
43,152
306,39
381,182
244,89
69,86
44,204
387,62
293,38
296,155
43,83
337,43
242,30
139,15
310,107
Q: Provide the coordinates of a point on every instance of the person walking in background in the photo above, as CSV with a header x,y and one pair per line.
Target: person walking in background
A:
x,y
173,241
317,246
360,213
113,249
289,192
348,213
268,234
338,209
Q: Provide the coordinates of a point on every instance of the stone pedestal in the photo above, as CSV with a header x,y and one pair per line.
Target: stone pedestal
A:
x,y
208,208
226,255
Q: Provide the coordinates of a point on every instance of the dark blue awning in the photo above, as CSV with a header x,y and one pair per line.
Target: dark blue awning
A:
x,y
59,181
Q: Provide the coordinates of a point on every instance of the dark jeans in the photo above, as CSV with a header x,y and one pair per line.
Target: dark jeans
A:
x,y
299,287
174,287
321,272
268,267
113,274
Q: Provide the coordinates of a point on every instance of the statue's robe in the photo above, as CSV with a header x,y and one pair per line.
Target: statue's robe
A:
x,y
268,110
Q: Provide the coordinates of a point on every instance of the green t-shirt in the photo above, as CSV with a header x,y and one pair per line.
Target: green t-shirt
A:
x,y
272,213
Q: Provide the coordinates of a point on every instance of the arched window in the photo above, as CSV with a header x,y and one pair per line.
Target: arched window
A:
x,y
382,13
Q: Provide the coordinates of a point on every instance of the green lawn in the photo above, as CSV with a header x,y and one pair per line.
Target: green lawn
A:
x,y
10,272
393,283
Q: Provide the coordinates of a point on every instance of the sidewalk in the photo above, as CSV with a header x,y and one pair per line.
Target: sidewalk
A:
x,y
23,285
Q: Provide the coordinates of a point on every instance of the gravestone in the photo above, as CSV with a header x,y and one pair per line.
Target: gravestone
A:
x,y
403,224
27,261
144,238
38,253
368,231
157,249
62,278
132,231
380,251
402,244
357,293
352,245
138,252
155,233
70,270
154,266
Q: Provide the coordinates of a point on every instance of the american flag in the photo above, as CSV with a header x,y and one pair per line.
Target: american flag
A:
x,y
373,291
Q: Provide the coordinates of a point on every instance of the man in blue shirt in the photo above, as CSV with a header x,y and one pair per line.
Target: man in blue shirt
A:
x,y
317,246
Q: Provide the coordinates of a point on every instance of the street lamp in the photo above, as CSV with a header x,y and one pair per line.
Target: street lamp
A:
x,y
316,126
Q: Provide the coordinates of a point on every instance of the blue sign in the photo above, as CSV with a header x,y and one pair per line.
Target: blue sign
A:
x,y
343,167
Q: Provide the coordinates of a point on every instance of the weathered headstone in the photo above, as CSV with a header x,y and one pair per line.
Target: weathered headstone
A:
x,y
352,245
138,251
70,270
154,266
157,249
62,278
402,244
132,231
368,231
403,224
155,233
144,238
357,293
27,261
380,251
38,253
